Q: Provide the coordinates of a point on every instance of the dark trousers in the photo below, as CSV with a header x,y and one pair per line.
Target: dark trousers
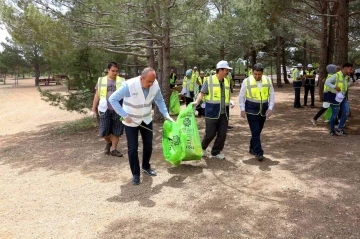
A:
x,y
215,127
297,88
190,99
256,124
310,88
133,143
320,113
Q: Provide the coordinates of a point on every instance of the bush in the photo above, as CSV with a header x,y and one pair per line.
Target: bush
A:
x,y
76,126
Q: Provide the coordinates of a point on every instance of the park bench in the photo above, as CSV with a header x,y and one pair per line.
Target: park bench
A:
x,y
239,78
54,79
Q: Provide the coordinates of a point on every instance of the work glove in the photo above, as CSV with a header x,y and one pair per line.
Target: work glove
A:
x,y
232,104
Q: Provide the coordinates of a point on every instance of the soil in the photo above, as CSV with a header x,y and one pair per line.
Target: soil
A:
x,y
63,186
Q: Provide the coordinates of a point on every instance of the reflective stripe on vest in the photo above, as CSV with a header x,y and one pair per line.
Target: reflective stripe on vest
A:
x,y
253,93
309,73
339,82
188,83
102,85
293,75
137,106
214,89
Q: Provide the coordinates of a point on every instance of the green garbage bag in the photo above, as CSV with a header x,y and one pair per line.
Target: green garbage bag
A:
x,y
188,127
328,114
173,143
174,103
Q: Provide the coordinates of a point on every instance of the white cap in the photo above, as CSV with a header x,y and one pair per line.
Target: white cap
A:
x,y
201,72
310,66
223,65
195,67
299,65
339,97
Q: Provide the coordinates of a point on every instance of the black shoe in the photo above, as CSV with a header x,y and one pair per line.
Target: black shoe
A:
x,y
341,132
251,152
149,171
259,157
135,180
116,153
107,148
332,133
229,128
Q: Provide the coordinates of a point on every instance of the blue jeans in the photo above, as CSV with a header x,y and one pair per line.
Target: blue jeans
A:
x,y
344,106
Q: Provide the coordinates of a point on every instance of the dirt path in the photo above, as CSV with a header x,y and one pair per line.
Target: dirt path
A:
x,y
22,110
307,187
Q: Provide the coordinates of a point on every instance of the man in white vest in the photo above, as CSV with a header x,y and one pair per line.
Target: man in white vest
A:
x,y
138,94
111,127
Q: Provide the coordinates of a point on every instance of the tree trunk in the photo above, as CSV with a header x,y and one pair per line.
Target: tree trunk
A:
x,y
342,42
323,48
222,52
253,57
283,59
278,61
5,79
304,54
331,33
37,73
149,43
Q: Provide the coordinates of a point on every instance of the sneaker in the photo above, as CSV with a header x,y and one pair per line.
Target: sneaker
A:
x,y
332,133
219,156
313,122
341,132
116,153
229,128
326,121
107,148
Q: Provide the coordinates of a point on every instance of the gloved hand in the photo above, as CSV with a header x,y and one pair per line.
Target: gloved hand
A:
x,y
232,104
93,114
169,118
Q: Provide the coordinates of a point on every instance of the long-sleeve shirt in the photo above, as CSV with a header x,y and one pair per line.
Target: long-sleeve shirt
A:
x,y
330,82
122,92
242,95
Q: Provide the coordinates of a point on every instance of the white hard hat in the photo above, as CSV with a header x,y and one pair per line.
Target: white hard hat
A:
x,y
299,65
223,65
309,66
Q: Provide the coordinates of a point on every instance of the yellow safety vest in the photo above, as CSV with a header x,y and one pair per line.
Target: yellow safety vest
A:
x,y
194,76
213,98
191,82
341,82
309,73
201,80
254,94
102,85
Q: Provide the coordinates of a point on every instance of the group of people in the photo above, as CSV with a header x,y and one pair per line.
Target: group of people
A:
x,y
335,93
126,105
